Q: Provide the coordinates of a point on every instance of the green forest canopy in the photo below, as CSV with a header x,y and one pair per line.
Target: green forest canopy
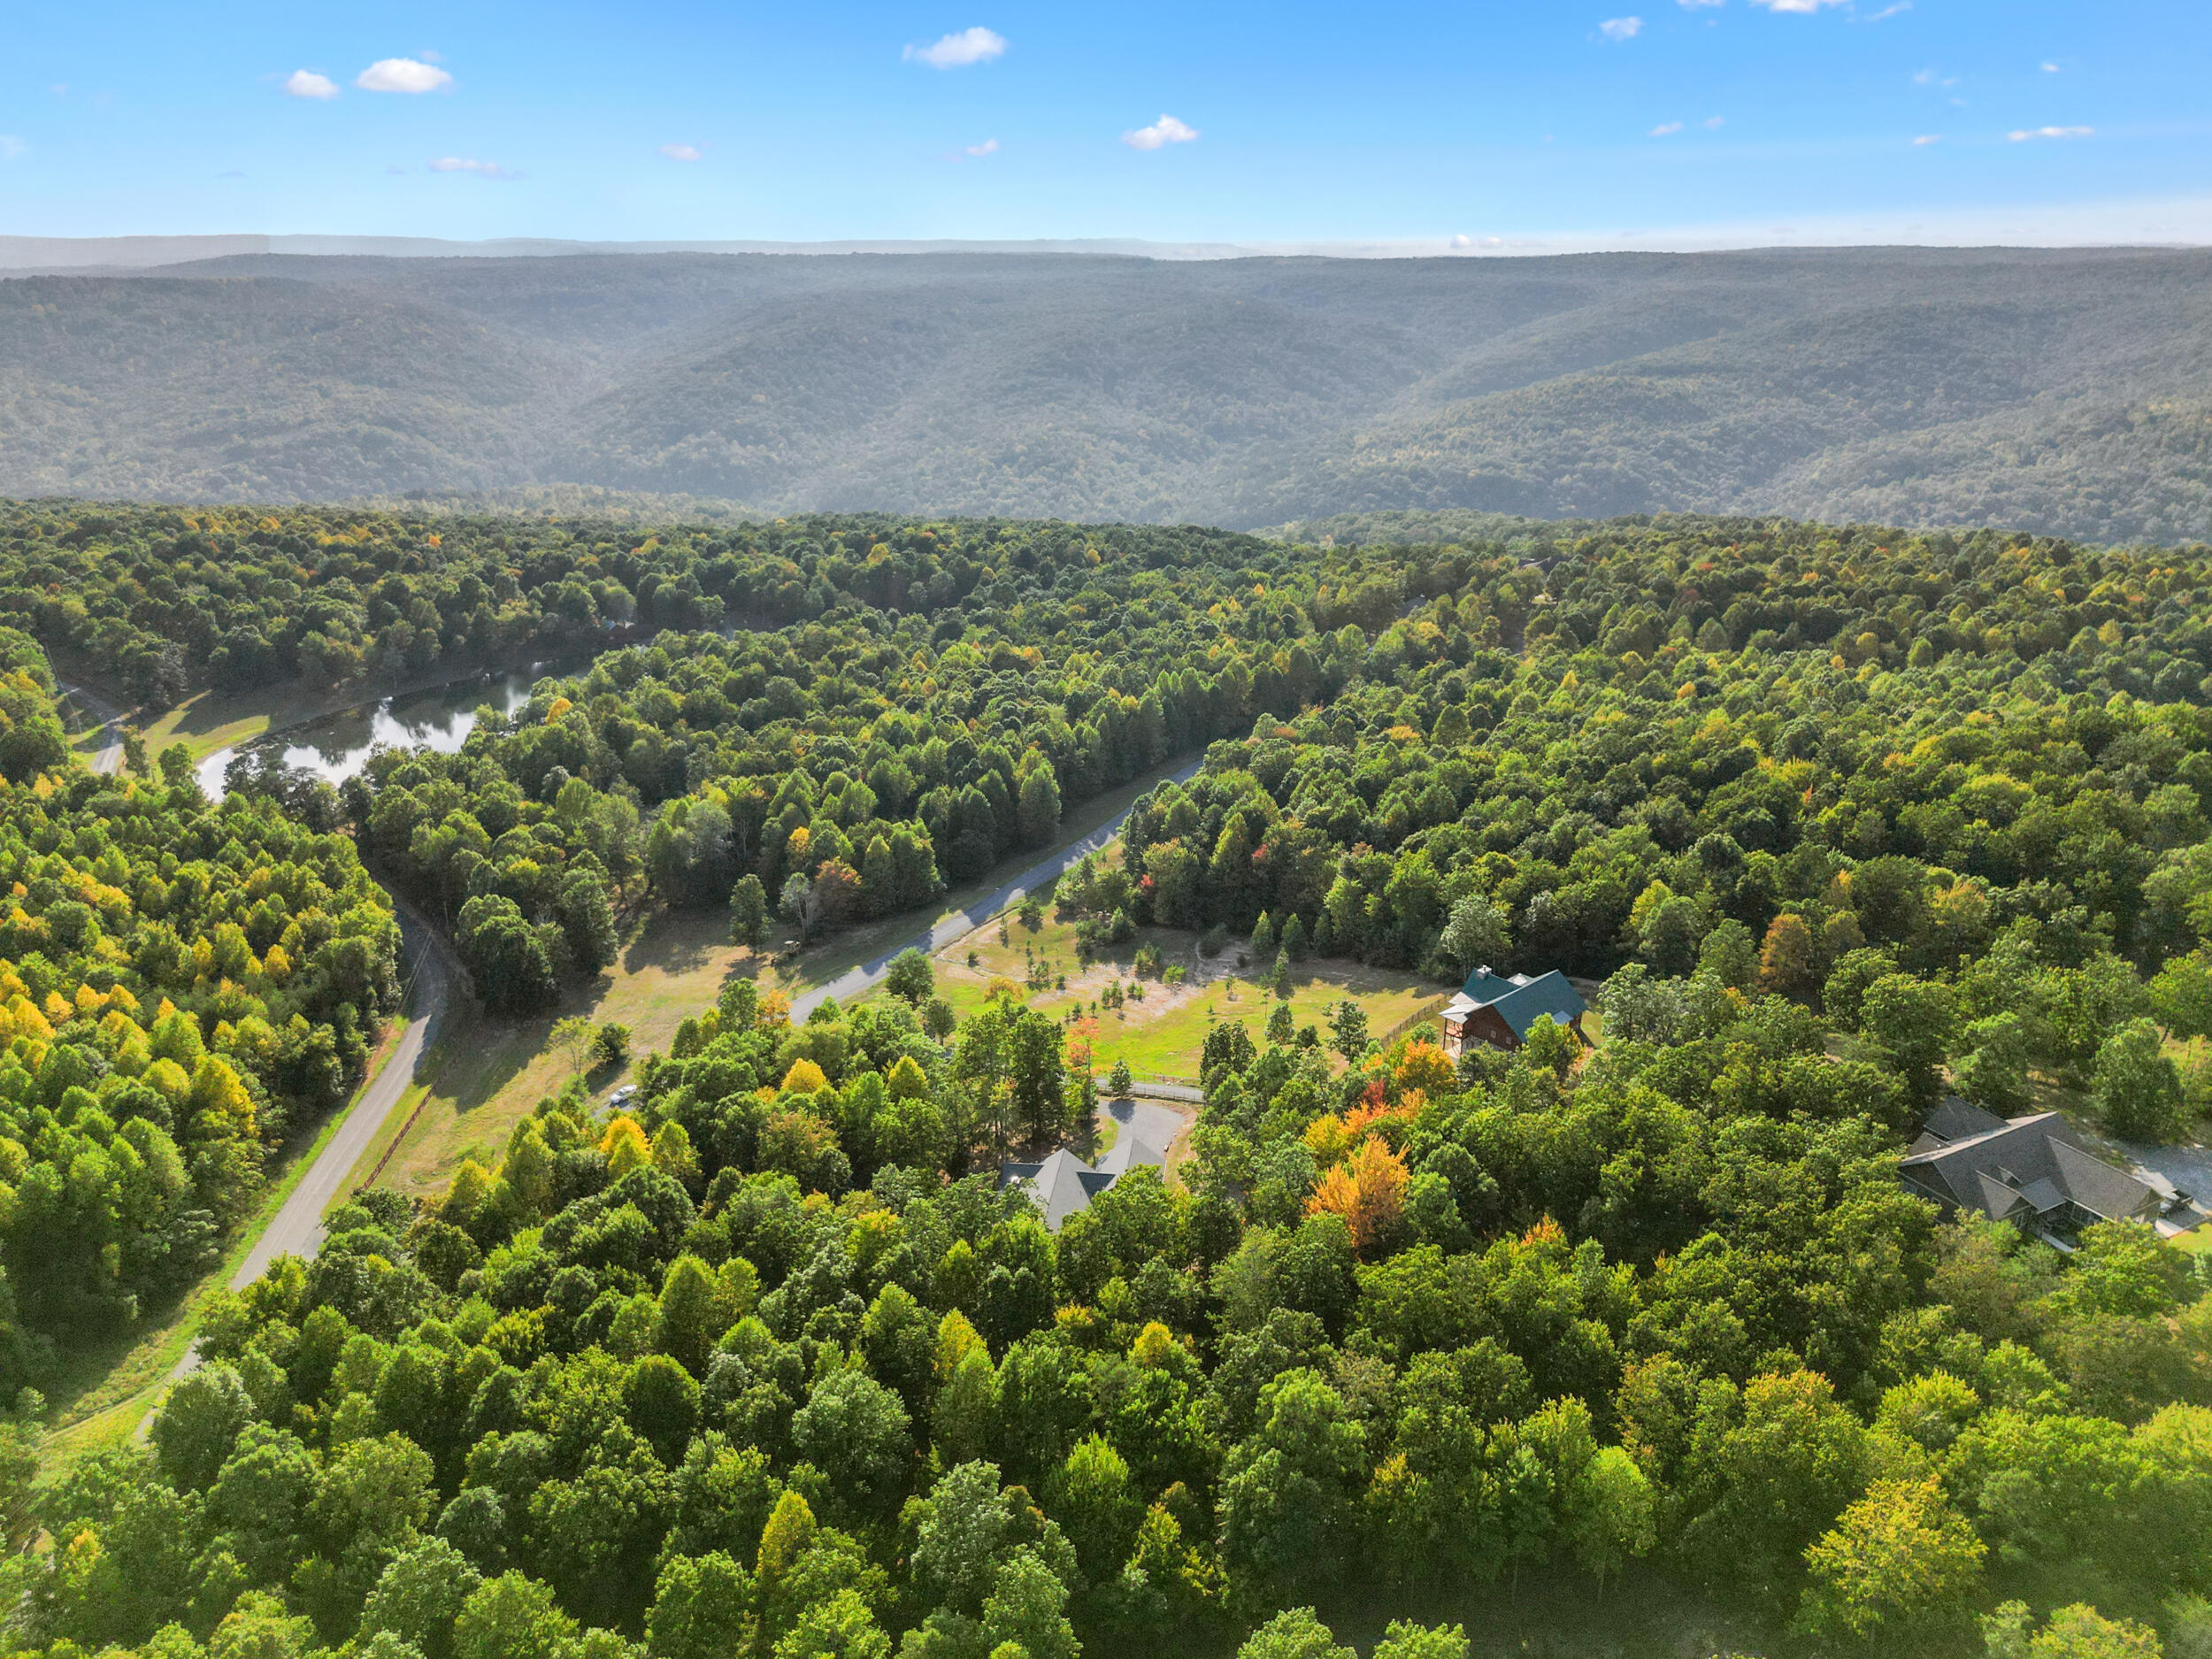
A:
x,y
181,987
1844,819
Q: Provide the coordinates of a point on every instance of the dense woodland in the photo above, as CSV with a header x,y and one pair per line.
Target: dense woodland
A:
x,y
181,987
1844,819
2057,390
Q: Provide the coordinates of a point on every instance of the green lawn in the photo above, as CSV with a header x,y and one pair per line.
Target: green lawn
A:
x,y
1162,1036
488,1075
2196,1241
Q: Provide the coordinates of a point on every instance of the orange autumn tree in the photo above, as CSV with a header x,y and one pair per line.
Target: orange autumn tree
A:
x,y
1082,1043
1368,1190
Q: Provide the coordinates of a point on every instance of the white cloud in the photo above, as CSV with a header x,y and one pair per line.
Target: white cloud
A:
x,y
1891,11
11,147
305,83
1926,139
1714,123
482,169
680,152
1463,242
1166,130
988,147
1621,28
957,51
402,74
429,56
2023,135
1665,129
1802,8
2050,69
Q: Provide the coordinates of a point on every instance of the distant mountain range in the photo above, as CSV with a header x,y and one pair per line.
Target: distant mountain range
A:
x,y
2060,391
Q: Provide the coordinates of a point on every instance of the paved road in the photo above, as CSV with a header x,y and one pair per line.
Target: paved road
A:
x,y
853,981
108,758
297,1229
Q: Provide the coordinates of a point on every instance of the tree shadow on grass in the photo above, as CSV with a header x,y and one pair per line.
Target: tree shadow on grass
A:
x,y
676,942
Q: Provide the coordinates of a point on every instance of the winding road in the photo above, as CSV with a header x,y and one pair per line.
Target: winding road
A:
x,y
298,1226
108,759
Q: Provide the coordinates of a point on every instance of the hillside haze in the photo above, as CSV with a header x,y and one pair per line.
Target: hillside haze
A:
x,y
2058,391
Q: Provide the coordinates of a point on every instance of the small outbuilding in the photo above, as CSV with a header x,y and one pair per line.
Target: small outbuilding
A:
x,y
1499,1009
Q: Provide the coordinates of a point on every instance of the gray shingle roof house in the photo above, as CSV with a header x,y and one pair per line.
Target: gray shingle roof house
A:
x,y
1499,1010
1063,1184
2032,1171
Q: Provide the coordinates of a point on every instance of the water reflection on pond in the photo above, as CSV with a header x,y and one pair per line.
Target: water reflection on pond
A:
x,y
337,746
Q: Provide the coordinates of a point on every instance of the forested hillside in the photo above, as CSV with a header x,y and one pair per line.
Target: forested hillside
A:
x,y
2057,391
168,600
1845,821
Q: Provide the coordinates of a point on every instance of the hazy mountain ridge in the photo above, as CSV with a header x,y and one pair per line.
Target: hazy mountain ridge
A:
x,y
2058,390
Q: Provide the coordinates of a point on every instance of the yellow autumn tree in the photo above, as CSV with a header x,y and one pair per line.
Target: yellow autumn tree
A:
x,y
804,1078
1424,1066
1328,1138
625,1147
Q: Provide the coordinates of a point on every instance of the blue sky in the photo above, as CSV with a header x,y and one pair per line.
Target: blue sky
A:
x,y
1603,123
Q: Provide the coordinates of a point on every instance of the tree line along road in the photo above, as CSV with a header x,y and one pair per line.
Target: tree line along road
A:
x,y
297,1227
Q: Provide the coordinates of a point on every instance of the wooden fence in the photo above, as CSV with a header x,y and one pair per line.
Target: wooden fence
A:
x,y
1427,1011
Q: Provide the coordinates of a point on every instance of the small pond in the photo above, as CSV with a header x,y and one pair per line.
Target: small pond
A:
x,y
337,746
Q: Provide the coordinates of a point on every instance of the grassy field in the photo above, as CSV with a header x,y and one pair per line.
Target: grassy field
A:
x,y
216,719
489,1075
1163,1035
